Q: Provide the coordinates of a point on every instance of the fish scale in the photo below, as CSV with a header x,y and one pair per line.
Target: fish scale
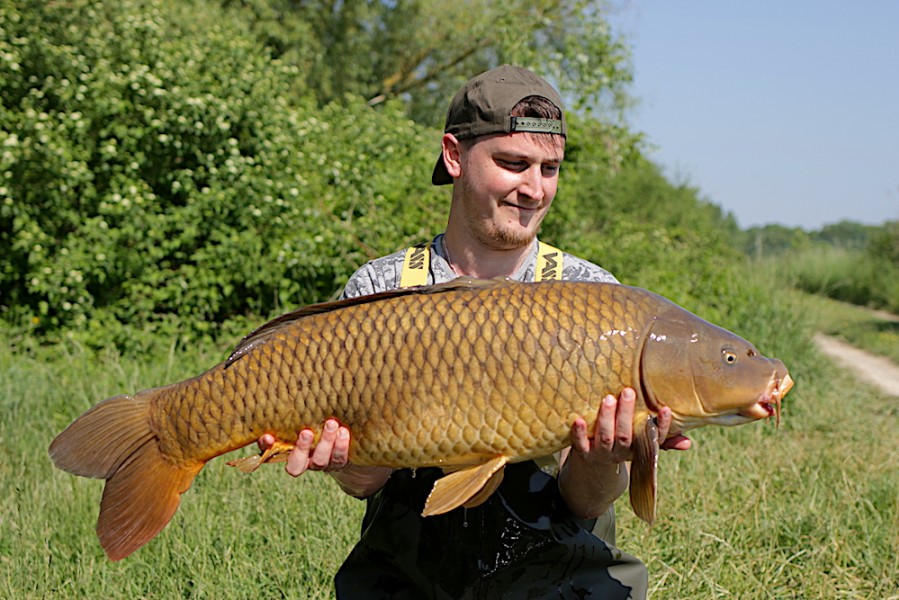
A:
x,y
470,375
454,373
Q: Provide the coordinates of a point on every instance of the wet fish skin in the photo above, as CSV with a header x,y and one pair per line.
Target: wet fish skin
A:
x,y
418,362
468,376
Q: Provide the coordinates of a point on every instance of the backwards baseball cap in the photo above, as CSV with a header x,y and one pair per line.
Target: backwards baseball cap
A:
x,y
483,105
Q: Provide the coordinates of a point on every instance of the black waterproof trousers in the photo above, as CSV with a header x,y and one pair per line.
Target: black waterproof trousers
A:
x,y
522,543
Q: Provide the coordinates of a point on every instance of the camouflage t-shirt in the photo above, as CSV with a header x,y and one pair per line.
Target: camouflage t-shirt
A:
x,y
383,274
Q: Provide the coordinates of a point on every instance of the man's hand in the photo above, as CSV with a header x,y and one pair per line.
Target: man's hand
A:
x,y
613,433
591,477
331,454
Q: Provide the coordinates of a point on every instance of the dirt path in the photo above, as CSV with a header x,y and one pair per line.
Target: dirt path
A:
x,y
876,370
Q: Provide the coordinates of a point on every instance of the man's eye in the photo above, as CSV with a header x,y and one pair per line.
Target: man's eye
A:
x,y
513,165
550,170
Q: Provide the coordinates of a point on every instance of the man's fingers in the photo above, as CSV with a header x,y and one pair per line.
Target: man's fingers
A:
x,y
265,442
664,422
298,459
677,442
341,453
331,453
605,424
624,422
321,455
580,442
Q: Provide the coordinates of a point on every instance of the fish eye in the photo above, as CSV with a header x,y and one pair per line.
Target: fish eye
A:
x,y
730,357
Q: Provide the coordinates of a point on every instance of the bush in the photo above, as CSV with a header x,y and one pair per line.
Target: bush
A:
x,y
156,170
647,232
159,172
854,276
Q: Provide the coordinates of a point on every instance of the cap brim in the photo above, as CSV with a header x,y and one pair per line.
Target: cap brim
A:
x,y
441,176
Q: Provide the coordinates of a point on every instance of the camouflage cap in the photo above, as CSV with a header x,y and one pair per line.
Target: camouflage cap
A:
x,y
483,106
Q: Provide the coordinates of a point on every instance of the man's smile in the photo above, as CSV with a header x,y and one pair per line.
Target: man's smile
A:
x,y
520,206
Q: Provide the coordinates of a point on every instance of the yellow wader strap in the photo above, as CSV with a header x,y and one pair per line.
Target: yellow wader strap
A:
x,y
549,263
416,265
418,259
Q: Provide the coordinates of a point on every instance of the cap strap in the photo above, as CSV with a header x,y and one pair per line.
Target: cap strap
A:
x,y
535,125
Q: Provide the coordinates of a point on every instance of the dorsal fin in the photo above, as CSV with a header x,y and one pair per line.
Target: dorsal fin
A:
x,y
265,332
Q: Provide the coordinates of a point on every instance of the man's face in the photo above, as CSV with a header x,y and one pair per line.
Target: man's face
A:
x,y
507,184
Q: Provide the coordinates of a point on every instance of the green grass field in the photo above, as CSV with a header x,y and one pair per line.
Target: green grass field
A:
x,y
860,327
807,510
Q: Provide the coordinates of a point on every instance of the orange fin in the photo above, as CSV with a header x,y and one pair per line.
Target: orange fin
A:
x,y
276,453
643,486
114,441
455,489
486,491
100,440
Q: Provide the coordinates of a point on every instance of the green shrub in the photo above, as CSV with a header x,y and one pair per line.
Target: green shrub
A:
x,y
155,170
646,231
159,174
854,276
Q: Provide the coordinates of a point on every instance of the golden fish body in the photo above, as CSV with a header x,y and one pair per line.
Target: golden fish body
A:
x,y
468,375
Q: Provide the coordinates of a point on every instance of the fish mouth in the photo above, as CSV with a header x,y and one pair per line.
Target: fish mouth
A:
x,y
769,402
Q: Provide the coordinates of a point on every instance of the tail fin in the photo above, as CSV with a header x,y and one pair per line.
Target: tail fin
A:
x,y
114,441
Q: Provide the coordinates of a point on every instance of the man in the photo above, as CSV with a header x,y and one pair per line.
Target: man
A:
x,y
502,148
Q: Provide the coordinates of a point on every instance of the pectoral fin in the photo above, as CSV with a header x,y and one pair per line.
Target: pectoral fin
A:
x,y
276,453
644,466
488,489
465,486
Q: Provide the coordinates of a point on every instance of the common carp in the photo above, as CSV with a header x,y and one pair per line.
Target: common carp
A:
x,y
469,376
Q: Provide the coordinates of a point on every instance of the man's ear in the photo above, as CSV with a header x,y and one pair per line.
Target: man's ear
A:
x,y
452,153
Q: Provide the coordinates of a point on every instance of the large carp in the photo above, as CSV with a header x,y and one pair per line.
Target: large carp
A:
x,y
468,376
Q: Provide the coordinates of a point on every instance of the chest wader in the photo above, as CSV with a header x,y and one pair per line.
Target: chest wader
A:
x,y
522,543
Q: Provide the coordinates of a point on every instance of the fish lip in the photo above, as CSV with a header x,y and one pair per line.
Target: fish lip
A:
x,y
769,402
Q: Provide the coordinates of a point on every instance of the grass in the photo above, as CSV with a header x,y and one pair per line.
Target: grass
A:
x,y
808,510
860,327
235,535
847,275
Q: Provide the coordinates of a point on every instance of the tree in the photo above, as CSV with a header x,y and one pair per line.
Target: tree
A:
x,y
845,234
154,167
884,243
420,51
774,240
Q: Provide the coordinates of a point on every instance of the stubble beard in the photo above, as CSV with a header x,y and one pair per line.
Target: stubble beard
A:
x,y
484,228
499,237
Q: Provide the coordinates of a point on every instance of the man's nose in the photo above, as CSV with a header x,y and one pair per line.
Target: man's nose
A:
x,y
532,183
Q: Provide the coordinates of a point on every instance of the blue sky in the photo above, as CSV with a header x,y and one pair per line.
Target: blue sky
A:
x,y
778,111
